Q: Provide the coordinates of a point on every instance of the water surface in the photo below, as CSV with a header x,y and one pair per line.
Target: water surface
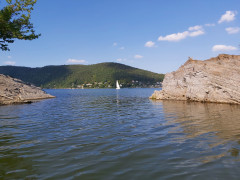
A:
x,y
118,134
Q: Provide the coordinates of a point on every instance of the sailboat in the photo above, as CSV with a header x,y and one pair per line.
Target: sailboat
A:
x,y
117,85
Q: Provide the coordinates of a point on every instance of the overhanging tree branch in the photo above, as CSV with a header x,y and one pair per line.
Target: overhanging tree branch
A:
x,y
15,22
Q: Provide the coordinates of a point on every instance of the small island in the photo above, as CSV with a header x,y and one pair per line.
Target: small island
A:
x,y
213,80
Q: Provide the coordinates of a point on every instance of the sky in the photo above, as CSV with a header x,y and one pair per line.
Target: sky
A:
x,y
155,35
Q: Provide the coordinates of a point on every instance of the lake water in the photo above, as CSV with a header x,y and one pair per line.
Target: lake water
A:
x,y
118,134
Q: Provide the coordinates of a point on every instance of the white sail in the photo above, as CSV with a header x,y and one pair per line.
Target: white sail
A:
x,y
117,85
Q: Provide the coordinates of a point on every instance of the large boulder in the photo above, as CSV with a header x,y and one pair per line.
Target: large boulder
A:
x,y
213,80
16,91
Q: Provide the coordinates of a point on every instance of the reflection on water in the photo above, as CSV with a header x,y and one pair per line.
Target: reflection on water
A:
x,y
110,134
214,124
200,118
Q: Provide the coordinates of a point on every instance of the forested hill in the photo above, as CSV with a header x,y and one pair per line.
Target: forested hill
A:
x,y
75,76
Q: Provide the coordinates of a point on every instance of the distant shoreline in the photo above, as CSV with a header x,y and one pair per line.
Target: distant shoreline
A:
x,y
108,88
102,75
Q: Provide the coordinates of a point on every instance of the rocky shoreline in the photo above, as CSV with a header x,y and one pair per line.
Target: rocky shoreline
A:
x,y
213,80
15,91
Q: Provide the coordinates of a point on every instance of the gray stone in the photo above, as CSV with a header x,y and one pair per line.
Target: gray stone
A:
x,y
14,91
213,80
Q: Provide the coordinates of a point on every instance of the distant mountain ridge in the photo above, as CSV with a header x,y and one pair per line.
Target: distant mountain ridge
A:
x,y
75,76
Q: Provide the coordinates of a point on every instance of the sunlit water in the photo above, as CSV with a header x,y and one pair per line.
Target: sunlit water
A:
x,y
118,134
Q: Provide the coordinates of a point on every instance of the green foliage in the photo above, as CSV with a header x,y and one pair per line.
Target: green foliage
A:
x,y
74,76
15,22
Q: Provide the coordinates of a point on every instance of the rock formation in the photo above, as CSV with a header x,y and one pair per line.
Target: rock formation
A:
x,y
213,80
16,91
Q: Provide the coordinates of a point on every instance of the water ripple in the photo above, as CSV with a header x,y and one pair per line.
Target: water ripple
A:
x,y
109,134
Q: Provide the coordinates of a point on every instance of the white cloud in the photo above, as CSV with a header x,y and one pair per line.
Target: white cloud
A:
x,y
122,48
12,63
114,44
174,37
137,56
149,44
195,28
196,33
232,30
192,32
121,60
223,48
209,25
228,16
76,61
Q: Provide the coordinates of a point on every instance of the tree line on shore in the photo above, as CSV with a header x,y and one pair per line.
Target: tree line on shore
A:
x,y
102,75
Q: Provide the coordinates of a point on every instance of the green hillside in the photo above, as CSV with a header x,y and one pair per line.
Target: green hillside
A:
x,y
74,76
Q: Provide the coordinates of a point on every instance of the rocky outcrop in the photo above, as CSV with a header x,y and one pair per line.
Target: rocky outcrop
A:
x,y
14,91
213,80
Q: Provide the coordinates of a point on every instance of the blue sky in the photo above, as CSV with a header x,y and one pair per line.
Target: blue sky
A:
x,y
155,35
